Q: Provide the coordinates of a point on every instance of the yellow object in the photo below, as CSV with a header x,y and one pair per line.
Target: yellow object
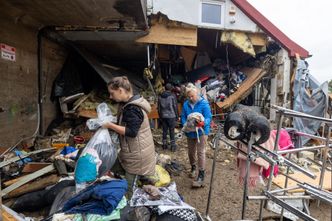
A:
x,y
240,40
147,73
161,177
59,145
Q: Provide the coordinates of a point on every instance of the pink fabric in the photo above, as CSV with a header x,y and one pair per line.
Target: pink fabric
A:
x,y
253,173
261,165
285,143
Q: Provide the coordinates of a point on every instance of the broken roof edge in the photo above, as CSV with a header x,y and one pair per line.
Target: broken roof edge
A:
x,y
268,27
163,18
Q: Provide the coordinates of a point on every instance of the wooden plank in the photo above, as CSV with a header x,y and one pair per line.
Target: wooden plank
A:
x,y
163,34
188,57
9,214
10,182
27,179
88,113
280,180
258,39
253,76
154,112
14,159
33,167
34,186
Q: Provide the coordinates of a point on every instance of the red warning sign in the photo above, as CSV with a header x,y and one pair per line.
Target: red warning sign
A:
x,y
8,52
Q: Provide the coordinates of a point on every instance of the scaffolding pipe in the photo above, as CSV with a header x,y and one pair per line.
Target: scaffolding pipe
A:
x,y
288,162
245,188
280,197
290,208
293,113
303,149
216,149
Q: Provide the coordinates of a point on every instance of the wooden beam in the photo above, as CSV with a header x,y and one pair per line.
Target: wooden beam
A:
x,y
258,39
34,186
10,182
9,214
163,34
27,179
33,167
253,76
14,159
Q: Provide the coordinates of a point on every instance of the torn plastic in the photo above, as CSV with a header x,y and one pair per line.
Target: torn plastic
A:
x,y
309,97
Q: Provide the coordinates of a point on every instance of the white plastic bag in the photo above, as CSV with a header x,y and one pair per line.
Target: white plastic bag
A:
x,y
106,148
104,116
101,147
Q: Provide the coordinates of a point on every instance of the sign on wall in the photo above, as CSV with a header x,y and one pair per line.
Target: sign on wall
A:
x,y
8,52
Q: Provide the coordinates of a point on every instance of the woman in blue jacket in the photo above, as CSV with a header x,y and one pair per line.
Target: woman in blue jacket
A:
x,y
196,146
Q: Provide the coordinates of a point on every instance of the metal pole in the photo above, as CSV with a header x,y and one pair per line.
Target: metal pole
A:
x,y
293,113
279,197
148,54
325,152
288,162
302,149
284,190
276,144
290,208
216,149
245,191
311,136
285,186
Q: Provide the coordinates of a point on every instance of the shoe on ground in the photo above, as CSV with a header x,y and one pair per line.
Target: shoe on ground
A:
x,y
192,171
199,182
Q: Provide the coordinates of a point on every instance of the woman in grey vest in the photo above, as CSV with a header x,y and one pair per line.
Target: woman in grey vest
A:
x,y
137,154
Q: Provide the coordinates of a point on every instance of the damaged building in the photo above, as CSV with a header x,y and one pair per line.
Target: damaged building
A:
x,y
58,56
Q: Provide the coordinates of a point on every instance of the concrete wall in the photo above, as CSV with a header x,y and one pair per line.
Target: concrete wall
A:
x,y
189,11
19,81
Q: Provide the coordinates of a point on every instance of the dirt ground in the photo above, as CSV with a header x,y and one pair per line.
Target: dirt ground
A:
x,y
227,193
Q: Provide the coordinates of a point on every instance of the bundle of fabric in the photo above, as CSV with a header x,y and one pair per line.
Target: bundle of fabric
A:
x,y
245,122
101,198
195,122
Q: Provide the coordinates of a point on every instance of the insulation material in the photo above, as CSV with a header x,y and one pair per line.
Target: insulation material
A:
x,y
240,40
163,34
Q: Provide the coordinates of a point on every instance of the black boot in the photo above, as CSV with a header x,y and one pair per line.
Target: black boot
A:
x,y
199,182
164,144
193,171
173,146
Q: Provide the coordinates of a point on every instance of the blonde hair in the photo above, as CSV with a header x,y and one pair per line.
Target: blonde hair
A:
x,y
191,88
122,81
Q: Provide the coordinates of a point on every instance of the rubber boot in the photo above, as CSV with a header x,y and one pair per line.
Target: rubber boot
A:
x,y
199,182
193,171
173,146
164,144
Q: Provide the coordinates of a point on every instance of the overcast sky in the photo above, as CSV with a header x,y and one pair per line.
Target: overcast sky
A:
x,y
309,24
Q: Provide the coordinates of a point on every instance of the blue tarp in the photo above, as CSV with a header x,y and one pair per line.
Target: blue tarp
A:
x,y
310,97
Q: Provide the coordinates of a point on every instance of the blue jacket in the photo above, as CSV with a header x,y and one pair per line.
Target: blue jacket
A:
x,y
101,198
202,106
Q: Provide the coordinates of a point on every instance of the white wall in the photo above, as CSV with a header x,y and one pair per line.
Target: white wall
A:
x,y
188,11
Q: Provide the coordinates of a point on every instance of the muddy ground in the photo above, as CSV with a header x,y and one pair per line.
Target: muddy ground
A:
x,y
227,196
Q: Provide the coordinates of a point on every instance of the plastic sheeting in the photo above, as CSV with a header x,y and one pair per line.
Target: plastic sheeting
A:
x,y
309,97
